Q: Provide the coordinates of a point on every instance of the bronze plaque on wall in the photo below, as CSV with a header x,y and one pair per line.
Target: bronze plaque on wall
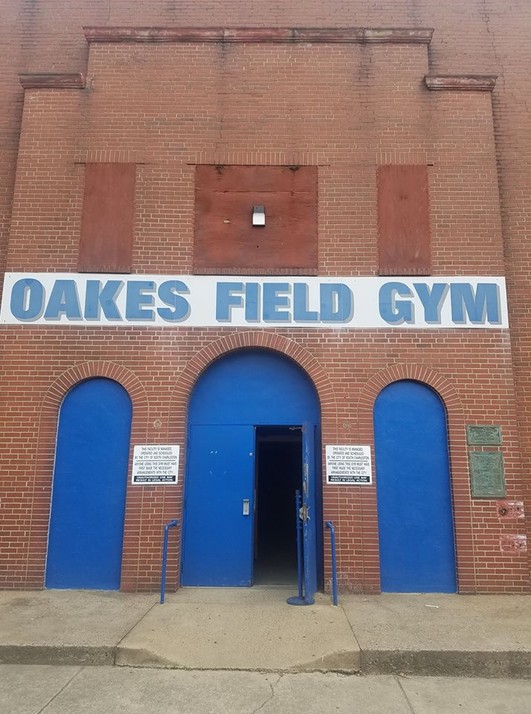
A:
x,y
477,435
487,474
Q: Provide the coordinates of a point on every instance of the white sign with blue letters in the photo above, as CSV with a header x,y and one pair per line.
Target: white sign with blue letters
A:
x,y
225,301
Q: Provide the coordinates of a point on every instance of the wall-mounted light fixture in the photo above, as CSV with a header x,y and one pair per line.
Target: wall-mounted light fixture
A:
x,y
258,215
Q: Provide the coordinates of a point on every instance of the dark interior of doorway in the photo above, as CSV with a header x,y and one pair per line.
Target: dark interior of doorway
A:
x,y
278,476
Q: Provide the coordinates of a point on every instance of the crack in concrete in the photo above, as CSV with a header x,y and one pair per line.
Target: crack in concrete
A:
x,y
67,684
120,641
410,706
270,697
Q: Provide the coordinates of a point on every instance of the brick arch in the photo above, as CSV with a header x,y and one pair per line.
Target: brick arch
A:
x,y
46,443
89,370
461,497
416,372
252,339
79,373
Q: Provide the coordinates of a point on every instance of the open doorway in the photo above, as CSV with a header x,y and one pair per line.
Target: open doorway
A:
x,y
278,475
237,451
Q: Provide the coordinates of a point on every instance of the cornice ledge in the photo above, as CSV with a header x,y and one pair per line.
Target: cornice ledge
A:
x,y
50,80
461,82
399,35
260,34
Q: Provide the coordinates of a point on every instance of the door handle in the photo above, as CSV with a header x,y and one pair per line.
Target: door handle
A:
x,y
246,506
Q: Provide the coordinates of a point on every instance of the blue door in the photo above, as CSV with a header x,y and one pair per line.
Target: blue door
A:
x,y
234,396
89,484
221,492
415,520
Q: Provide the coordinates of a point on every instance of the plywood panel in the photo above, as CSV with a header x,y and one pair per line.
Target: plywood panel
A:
x,y
225,238
403,221
106,242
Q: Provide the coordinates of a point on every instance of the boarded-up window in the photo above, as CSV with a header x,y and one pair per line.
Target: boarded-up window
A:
x,y
403,221
225,239
106,243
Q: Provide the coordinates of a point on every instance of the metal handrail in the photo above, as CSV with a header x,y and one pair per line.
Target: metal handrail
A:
x,y
330,525
170,524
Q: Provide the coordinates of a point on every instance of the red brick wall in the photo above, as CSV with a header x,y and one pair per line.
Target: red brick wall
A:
x,y
344,108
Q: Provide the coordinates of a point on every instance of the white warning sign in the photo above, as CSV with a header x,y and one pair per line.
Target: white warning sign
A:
x,y
348,465
155,464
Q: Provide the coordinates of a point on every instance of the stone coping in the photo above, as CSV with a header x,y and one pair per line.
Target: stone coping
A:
x,y
461,82
51,80
363,35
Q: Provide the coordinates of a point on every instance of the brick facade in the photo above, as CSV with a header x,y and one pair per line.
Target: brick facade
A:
x,y
343,100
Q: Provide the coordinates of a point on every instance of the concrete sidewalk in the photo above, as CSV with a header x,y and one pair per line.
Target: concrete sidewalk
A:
x,y
254,629
29,689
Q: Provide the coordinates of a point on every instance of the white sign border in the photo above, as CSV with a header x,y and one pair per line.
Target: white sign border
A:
x,y
399,303
137,451
365,449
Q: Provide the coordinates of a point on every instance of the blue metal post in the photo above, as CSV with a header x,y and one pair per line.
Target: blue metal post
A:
x,y
298,503
167,527
298,599
330,525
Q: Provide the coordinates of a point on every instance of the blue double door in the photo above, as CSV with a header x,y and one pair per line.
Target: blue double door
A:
x,y
241,407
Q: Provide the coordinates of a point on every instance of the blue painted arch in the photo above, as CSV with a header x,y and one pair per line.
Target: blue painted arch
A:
x,y
234,395
254,386
415,516
89,487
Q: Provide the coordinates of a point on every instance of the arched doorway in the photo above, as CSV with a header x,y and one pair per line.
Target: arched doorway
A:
x,y
89,485
415,521
252,428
